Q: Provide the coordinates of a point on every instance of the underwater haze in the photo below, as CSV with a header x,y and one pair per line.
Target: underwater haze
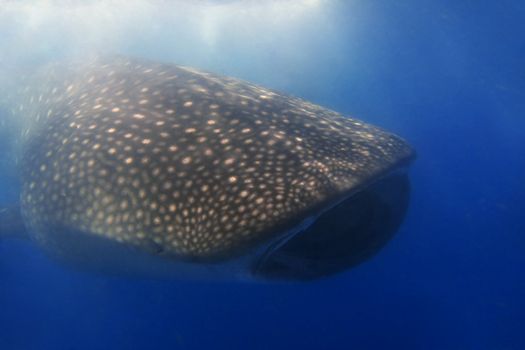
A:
x,y
447,76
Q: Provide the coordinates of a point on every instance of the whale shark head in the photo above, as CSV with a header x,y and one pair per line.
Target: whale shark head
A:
x,y
200,172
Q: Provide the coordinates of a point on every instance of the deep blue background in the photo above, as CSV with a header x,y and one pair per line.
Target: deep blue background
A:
x,y
447,75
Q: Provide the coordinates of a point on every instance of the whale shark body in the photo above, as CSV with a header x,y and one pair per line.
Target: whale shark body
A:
x,y
138,166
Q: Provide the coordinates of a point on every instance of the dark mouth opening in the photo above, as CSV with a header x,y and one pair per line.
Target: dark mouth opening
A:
x,y
342,237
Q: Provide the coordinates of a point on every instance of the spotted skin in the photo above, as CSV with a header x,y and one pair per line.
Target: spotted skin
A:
x,y
182,163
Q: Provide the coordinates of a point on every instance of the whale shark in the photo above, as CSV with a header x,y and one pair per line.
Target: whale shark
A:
x,y
136,166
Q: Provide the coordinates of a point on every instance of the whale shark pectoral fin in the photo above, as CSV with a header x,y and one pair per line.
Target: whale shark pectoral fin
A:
x,y
11,222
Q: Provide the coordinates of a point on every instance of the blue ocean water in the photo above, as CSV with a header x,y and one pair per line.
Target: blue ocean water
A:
x,y
446,75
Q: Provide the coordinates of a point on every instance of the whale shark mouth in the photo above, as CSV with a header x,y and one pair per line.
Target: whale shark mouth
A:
x,y
343,236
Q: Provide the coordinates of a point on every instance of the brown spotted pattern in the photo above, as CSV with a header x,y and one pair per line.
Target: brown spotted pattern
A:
x,y
185,163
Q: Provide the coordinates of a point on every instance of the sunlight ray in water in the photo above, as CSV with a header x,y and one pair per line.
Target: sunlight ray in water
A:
x,y
78,27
